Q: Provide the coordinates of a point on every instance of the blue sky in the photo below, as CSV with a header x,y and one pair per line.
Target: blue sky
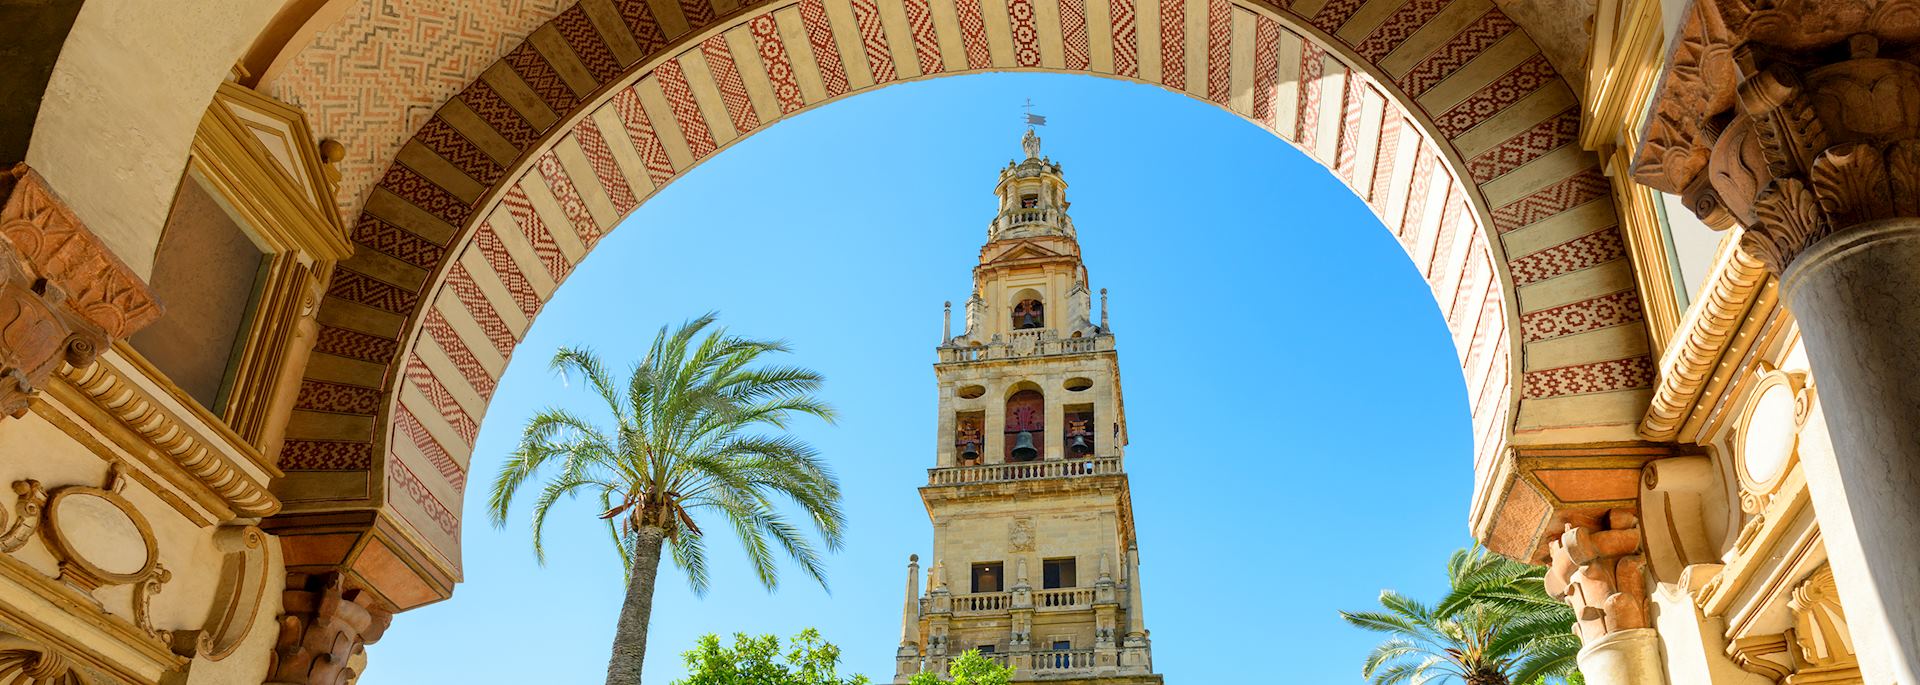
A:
x,y
1300,436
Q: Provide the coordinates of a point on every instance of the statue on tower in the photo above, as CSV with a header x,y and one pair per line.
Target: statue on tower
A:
x,y
975,306
1031,143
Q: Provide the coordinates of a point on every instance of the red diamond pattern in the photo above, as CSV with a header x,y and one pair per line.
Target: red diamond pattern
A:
x,y
813,15
1584,186
1584,252
1529,145
686,112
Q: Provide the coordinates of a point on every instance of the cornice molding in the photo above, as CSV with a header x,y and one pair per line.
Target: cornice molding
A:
x,y
1736,282
194,453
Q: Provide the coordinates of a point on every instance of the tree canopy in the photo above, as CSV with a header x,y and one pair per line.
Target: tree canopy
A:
x,y
970,668
808,660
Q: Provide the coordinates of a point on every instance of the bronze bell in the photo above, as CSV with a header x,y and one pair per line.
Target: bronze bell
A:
x,y
1023,449
1079,446
970,451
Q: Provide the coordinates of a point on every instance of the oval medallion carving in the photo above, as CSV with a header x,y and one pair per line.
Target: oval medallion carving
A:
x,y
1768,435
100,537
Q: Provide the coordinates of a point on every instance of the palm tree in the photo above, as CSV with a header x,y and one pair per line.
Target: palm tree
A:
x,y
1496,626
697,430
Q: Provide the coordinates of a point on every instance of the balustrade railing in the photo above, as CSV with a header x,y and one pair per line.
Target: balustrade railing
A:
x,y
1026,215
981,603
1041,665
1031,470
1063,598
1060,660
1039,342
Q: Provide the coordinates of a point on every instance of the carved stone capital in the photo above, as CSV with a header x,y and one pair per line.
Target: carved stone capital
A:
x,y
63,295
325,624
1796,118
1596,568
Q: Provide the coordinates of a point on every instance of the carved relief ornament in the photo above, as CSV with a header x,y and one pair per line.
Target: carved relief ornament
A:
x,y
1795,118
63,295
26,662
1820,625
326,622
1596,568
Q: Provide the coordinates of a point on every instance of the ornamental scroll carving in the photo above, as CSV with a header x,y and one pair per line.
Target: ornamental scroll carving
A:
x,y
64,297
325,624
1597,569
1796,118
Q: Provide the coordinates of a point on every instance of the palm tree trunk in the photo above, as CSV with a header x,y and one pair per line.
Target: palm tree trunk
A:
x,y
630,638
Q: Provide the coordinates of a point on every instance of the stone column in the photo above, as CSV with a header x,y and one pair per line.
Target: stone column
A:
x,y
1801,121
1597,569
1856,296
1136,650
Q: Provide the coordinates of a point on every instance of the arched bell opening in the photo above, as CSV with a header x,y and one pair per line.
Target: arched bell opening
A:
x,y
1026,426
1029,310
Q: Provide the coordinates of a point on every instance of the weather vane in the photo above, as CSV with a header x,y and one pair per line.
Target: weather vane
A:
x,y
1033,119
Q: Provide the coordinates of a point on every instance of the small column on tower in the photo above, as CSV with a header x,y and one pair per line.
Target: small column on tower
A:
x,y
907,658
1103,310
1135,652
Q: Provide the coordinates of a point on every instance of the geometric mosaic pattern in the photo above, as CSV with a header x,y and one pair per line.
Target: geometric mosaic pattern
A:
x,y
512,175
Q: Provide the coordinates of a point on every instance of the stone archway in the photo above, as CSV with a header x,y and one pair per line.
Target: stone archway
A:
x,y
1442,115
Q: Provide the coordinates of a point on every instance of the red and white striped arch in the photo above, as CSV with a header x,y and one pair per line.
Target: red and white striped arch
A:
x,y
1441,114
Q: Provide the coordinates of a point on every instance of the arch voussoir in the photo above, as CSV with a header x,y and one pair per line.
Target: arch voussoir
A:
x,y
1440,114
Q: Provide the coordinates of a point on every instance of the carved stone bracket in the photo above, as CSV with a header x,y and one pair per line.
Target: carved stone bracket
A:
x,y
1597,569
237,601
63,295
325,624
1795,118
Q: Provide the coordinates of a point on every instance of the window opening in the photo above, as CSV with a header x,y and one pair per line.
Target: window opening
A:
x,y
1057,573
207,273
987,577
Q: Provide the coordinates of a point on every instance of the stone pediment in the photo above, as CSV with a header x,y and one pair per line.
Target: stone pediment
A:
x,y
1018,250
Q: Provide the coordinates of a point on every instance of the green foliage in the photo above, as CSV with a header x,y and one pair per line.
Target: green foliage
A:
x,y
758,661
970,668
1496,626
697,428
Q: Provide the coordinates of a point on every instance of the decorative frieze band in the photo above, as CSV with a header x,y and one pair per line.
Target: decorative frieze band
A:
x,y
64,297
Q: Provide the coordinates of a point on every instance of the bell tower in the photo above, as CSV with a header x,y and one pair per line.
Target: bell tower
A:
x,y
1034,558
